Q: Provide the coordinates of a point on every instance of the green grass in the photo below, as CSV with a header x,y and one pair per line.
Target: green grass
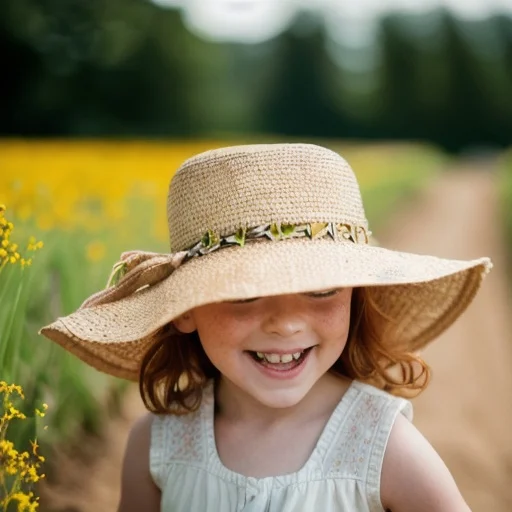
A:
x,y
59,279
30,299
505,186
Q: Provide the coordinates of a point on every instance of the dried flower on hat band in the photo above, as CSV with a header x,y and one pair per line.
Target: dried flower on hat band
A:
x,y
211,241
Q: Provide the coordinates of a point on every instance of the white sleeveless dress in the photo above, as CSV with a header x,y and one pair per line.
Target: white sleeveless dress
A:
x,y
342,473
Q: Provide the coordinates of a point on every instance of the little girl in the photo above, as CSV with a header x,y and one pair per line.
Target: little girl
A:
x,y
273,344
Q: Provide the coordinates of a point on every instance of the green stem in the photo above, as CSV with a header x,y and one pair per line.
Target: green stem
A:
x,y
4,335
4,489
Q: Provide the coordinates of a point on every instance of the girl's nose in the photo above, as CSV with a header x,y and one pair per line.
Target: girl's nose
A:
x,y
283,316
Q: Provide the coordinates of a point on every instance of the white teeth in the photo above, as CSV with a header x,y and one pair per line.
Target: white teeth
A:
x,y
279,358
273,358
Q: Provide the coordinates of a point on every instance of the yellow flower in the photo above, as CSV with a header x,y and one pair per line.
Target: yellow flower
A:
x,y
43,412
33,245
11,469
13,388
25,501
95,251
7,447
9,251
32,474
24,466
16,414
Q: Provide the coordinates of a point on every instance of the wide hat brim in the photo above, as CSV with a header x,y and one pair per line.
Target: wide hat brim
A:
x,y
422,295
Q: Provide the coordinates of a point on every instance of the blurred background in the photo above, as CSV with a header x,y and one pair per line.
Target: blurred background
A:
x,y
103,100
437,70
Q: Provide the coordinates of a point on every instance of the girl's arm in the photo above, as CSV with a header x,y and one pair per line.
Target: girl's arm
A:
x,y
414,477
138,491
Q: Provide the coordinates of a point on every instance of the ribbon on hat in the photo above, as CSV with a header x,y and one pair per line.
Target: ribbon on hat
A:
x,y
140,269
136,270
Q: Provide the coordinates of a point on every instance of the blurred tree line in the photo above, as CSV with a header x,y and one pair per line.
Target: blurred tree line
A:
x,y
127,68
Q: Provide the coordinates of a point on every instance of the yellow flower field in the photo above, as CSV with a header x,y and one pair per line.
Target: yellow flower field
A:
x,y
83,185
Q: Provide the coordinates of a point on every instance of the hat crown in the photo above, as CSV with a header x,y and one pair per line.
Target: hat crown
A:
x,y
247,186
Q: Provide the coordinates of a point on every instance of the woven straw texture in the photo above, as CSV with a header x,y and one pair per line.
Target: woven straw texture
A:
x,y
256,185
247,186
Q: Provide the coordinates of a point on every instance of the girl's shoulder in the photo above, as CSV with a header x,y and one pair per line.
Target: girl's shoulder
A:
x,y
139,438
414,477
138,491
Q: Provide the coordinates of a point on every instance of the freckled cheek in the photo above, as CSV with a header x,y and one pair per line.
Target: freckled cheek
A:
x,y
216,347
220,337
336,320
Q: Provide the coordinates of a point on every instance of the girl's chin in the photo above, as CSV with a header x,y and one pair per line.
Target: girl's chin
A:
x,y
279,398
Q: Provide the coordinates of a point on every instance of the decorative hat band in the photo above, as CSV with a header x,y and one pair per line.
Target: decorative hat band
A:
x,y
138,269
211,241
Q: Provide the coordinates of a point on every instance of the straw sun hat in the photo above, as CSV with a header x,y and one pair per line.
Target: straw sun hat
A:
x,y
260,220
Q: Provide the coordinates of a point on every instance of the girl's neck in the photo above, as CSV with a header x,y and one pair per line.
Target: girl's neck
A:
x,y
236,406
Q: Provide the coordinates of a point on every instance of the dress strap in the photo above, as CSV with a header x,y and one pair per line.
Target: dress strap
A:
x,y
358,451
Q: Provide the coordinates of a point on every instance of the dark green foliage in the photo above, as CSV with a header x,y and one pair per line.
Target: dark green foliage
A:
x,y
127,68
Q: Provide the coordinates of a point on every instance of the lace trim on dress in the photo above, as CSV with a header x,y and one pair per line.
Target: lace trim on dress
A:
x,y
358,451
175,439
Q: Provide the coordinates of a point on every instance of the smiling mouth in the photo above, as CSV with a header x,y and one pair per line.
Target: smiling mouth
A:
x,y
280,361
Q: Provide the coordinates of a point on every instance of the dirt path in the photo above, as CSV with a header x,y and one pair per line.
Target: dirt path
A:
x,y
466,412
92,485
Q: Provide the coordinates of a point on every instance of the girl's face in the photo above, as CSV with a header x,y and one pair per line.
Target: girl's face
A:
x,y
273,349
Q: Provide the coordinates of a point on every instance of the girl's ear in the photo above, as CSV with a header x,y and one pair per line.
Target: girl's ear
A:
x,y
185,323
